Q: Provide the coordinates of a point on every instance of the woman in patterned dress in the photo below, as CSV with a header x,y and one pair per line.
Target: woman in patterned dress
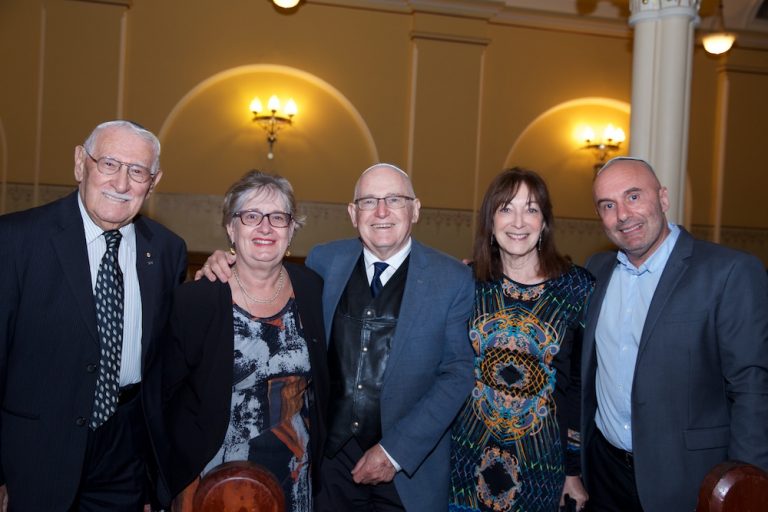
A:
x,y
515,441
245,370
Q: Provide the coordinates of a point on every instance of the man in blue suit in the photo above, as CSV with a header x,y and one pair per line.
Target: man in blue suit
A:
x,y
400,359
675,356
399,355
73,379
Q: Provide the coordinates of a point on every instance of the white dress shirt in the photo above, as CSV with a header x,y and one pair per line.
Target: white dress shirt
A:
x,y
130,361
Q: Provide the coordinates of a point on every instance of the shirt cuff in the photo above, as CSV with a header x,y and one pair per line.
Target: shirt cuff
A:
x,y
393,461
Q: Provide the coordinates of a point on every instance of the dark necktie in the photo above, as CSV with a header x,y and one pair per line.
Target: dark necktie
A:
x,y
376,284
109,323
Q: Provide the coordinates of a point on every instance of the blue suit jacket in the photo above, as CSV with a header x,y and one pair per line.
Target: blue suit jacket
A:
x,y
700,389
49,344
429,371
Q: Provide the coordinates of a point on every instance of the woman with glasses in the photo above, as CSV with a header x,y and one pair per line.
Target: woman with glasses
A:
x,y
515,442
245,370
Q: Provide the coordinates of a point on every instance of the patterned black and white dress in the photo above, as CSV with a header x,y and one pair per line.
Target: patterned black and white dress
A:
x,y
510,449
269,415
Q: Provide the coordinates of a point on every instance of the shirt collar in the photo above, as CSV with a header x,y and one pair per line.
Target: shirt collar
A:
x,y
393,261
93,232
657,260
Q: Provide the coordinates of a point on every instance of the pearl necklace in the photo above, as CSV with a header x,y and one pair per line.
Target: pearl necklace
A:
x,y
280,283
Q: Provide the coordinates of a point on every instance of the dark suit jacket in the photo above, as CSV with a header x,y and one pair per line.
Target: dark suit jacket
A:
x,y
700,390
49,345
198,372
429,372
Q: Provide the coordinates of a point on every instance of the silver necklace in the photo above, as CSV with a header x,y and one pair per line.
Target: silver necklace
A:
x,y
280,283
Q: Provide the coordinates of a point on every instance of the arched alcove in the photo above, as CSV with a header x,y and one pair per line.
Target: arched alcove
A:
x,y
209,139
552,145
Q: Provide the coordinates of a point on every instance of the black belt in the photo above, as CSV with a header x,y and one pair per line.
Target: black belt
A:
x,y
626,457
128,393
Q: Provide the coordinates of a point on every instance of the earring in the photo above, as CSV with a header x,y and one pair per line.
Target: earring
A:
x,y
232,250
493,240
539,244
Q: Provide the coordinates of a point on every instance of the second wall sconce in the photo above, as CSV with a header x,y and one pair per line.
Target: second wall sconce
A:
x,y
274,119
604,147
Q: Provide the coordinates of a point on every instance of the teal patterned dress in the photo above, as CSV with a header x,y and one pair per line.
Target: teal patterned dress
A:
x,y
516,437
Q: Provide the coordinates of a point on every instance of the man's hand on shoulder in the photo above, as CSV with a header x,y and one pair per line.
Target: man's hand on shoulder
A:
x,y
373,467
217,267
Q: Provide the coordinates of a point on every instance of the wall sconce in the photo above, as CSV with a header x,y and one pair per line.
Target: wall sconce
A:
x,y
606,146
718,41
273,120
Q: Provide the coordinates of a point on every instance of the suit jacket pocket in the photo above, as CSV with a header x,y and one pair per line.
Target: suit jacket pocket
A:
x,y
707,438
21,414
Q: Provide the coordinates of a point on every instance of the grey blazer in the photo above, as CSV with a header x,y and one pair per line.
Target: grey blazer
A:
x,y
700,389
429,372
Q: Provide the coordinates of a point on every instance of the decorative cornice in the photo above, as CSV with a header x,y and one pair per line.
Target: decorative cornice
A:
x,y
646,10
563,22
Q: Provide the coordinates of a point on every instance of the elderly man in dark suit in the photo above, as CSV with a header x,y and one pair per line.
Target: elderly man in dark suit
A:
x,y
85,285
675,356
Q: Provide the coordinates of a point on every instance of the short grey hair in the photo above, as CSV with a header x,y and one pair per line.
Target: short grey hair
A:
x,y
381,165
252,183
136,128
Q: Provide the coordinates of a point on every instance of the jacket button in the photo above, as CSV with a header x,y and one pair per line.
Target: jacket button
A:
x,y
359,386
80,421
91,368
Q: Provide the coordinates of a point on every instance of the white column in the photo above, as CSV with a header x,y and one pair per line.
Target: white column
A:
x,y
661,85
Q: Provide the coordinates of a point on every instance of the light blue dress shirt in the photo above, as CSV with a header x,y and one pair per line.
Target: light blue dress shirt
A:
x,y
617,338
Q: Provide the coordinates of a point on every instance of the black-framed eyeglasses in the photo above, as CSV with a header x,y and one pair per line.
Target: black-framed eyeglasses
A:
x,y
392,202
254,217
110,166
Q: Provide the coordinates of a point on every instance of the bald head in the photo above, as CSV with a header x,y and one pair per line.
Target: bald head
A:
x,y
384,168
385,228
631,204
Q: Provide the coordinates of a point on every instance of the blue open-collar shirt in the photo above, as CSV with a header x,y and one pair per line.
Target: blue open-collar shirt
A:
x,y
617,338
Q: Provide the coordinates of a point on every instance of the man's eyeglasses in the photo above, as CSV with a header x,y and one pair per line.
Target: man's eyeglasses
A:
x,y
109,166
254,217
392,202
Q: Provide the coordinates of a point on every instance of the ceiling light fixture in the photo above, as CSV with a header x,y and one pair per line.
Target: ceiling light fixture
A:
x,y
718,41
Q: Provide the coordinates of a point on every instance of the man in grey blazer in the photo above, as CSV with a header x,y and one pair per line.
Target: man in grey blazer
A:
x,y
675,356
399,357
399,354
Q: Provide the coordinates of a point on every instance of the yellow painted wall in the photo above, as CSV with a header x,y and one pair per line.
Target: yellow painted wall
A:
x,y
453,99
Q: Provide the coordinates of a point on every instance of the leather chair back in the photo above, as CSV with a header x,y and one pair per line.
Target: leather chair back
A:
x,y
734,486
238,486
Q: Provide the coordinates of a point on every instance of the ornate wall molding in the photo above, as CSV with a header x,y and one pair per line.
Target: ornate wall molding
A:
x,y
197,219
